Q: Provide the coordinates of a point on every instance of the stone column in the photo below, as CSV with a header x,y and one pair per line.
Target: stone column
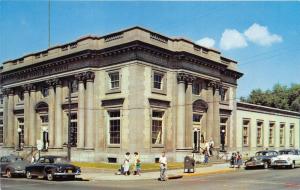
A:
x,y
210,110
51,113
180,133
5,116
80,118
32,115
58,115
10,118
26,89
189,113
90,125
216,129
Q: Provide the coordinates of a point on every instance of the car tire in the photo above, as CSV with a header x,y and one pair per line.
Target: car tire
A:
x,y
72,177
8,173
266,165
292,165
28,175
50,176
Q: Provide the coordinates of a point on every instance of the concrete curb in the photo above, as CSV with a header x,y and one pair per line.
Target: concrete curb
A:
x,y
221,171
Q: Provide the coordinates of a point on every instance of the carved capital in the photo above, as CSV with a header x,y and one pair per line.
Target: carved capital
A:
x,y
190,79
211,84
5,91
181,77
90,76
80,77
29,87
54,82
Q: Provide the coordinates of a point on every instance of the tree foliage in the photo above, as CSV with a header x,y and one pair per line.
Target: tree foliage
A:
x,y
281,96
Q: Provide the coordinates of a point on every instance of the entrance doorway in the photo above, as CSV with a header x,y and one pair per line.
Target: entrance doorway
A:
x,y
197,139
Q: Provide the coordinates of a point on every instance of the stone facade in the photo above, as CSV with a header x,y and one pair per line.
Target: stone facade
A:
x,y
260,128
134,90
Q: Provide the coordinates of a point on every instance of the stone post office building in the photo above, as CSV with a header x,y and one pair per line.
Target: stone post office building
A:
x,y
133,90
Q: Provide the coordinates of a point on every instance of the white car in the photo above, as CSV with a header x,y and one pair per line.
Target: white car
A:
x,y
286,158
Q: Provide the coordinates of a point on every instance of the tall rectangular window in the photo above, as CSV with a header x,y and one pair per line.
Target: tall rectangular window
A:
x,y
114,127
223,129
21,127
74,86
223,94
114,80
158,80
1,99
281,134
45,91
246,124
197,118
271,134
196,88
73,129
1,131
259,139
157,127
292,135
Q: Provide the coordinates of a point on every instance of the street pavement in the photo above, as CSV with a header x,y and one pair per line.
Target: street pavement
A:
x,y
281,179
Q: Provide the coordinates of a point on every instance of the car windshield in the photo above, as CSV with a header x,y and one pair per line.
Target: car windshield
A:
x,y
283,152
262,154
59,160
53,160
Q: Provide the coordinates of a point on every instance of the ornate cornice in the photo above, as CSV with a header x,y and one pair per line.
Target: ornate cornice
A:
x,y
131,51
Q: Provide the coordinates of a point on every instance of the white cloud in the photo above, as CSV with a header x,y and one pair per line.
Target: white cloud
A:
x,y
232,39
260,35
206,42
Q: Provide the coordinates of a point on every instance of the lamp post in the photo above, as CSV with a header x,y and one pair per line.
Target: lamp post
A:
x,y
223,139
19,133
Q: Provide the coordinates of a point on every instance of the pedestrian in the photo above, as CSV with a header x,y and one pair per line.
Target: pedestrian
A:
x,y
206,156
206,147
163,166
239,160
137,164
126,164
233,160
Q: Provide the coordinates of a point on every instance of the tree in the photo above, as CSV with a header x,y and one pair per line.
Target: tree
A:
x,y
281,96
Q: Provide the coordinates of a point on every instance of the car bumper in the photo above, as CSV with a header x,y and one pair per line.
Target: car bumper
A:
x,y
66,174
281,163
19,172
256,164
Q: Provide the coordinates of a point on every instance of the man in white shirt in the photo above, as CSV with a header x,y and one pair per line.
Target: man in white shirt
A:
x,y
163,166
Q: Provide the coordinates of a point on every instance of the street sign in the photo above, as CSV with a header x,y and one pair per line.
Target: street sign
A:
x,y
39,145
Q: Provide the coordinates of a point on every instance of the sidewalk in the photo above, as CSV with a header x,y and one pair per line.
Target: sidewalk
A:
x,y
98,175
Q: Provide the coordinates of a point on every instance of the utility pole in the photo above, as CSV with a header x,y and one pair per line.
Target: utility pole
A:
x,y
69,121
49,23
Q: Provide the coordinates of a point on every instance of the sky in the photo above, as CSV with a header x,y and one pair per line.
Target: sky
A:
x,y
264,37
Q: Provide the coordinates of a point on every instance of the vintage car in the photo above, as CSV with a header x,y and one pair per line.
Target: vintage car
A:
x,y
12,166
262,159
52,167
287,158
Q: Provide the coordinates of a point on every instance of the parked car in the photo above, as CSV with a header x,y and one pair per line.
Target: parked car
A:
x,y
51,167
12,166
287,158
262,159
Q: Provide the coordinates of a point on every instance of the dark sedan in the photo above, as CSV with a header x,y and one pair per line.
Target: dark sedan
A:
x,y
262,159
12,166
52,167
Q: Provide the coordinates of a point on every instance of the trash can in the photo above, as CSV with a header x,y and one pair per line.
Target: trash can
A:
x,y
189,164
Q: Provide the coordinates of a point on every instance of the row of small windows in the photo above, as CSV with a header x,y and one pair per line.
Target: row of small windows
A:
x,y
271,130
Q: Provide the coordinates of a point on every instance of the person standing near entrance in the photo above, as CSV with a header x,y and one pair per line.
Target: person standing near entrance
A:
x,y
211,146
163,166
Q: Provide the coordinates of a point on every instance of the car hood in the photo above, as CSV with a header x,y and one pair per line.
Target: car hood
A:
x,y
284,157
19,165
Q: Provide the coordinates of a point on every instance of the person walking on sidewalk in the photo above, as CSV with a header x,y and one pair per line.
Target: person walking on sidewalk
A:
x,y
211,144
137,164
163,166
239,160
126,164
206,155
233,160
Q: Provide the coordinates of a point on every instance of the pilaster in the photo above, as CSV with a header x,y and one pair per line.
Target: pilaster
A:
x,y
180,133
32,116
